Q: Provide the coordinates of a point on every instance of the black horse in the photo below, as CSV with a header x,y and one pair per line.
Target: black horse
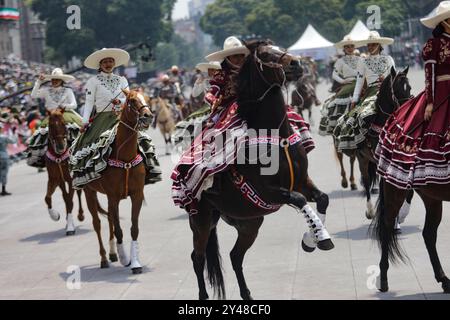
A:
x,y
262,105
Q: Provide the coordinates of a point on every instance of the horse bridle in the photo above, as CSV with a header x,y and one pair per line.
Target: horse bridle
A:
x,y
140,120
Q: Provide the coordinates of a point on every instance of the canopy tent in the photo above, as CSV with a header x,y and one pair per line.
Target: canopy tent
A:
x,y
312,44
359,31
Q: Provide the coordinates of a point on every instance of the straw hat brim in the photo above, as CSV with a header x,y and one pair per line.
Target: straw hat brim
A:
x,y
434,21
203,67
221,55
63,77
121,57
342,44
384,41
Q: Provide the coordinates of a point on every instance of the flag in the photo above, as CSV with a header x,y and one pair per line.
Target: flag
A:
x,y
9,14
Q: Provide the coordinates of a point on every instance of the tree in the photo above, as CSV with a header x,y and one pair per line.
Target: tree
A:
x,y
111,23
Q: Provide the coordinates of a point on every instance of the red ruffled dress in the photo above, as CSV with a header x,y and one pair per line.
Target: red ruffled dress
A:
x,y
413,152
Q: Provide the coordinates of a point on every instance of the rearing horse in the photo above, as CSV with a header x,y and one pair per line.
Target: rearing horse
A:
x,y
124,177
56,162
261,104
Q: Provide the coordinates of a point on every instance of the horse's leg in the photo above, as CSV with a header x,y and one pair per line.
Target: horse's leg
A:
x,y
388,206
113,211
68,200
364,169
51,187
318,233
136,205
404,210
91,200
112,243
247,233
340,155
310,118
432,222
80,206
353,185
205,244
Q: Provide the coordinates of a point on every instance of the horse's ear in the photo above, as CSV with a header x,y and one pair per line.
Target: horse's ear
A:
x,y
406,70
393,72
126,92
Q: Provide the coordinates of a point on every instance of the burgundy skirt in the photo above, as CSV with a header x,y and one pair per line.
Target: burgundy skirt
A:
x,y
413,152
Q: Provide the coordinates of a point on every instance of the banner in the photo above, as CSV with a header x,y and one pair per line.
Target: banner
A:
x,y
9,14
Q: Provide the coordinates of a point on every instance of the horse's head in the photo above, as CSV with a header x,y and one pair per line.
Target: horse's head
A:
x,y
394,91
136,112
263,70
57,132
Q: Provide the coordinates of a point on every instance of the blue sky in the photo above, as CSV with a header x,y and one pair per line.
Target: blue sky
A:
x,y
180,10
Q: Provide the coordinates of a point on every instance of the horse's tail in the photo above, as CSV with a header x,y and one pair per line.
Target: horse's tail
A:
x,y
386,237
214,265
372,168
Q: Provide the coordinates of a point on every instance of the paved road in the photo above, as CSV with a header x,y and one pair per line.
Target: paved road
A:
x,y
35,254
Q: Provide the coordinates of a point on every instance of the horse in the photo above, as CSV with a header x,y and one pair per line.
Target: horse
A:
x,y
124,177
394,90
164,120
303,97
388,207
260,102
56,162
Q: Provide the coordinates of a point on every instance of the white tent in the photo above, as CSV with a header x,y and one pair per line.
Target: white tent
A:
x,y
359,31
312,44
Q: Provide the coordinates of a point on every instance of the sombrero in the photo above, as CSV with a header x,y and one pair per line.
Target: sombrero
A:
x,y
121,57
348,40
442,13
57,73
374,37
231,46
205,66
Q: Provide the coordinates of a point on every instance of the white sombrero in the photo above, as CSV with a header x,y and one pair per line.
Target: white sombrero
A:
x,y
374,37
231,46
348,40
121,57
57,73
205,66
442,13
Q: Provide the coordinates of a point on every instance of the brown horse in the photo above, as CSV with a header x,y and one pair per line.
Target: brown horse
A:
x,y
340,157
390,201
56,162
164,120
261,104
304,96
126,179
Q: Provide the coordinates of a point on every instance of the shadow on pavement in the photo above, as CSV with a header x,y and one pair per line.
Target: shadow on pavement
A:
x,y
362,232
53,236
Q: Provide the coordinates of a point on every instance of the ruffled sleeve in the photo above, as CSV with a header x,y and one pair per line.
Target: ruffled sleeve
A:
x,y
430,61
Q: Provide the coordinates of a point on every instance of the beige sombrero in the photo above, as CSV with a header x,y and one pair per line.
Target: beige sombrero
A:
x,y
231,46
442,13
121,57
57,73
348,40
205,66
374,37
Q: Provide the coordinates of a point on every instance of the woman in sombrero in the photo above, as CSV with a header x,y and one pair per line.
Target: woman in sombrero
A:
x,y
187,129
344,73
104,97
55,96
352,127
414,148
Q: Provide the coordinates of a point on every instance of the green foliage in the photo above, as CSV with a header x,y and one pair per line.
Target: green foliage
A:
x,y
112,23
285,20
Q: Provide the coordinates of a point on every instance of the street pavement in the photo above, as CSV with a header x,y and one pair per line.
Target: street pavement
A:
x,y
37,259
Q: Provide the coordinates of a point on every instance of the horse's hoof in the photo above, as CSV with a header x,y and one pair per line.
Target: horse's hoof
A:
x,y
398,231
384,286
113,257
446,286
246,296
369,215
80,217
203,296
70,233
137,270
325,245
104,264
306,248
353,186
344,184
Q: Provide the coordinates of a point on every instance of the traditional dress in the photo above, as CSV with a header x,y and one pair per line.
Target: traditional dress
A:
x,y
352,127
195,171
344,72
54,97
90,152
413,152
